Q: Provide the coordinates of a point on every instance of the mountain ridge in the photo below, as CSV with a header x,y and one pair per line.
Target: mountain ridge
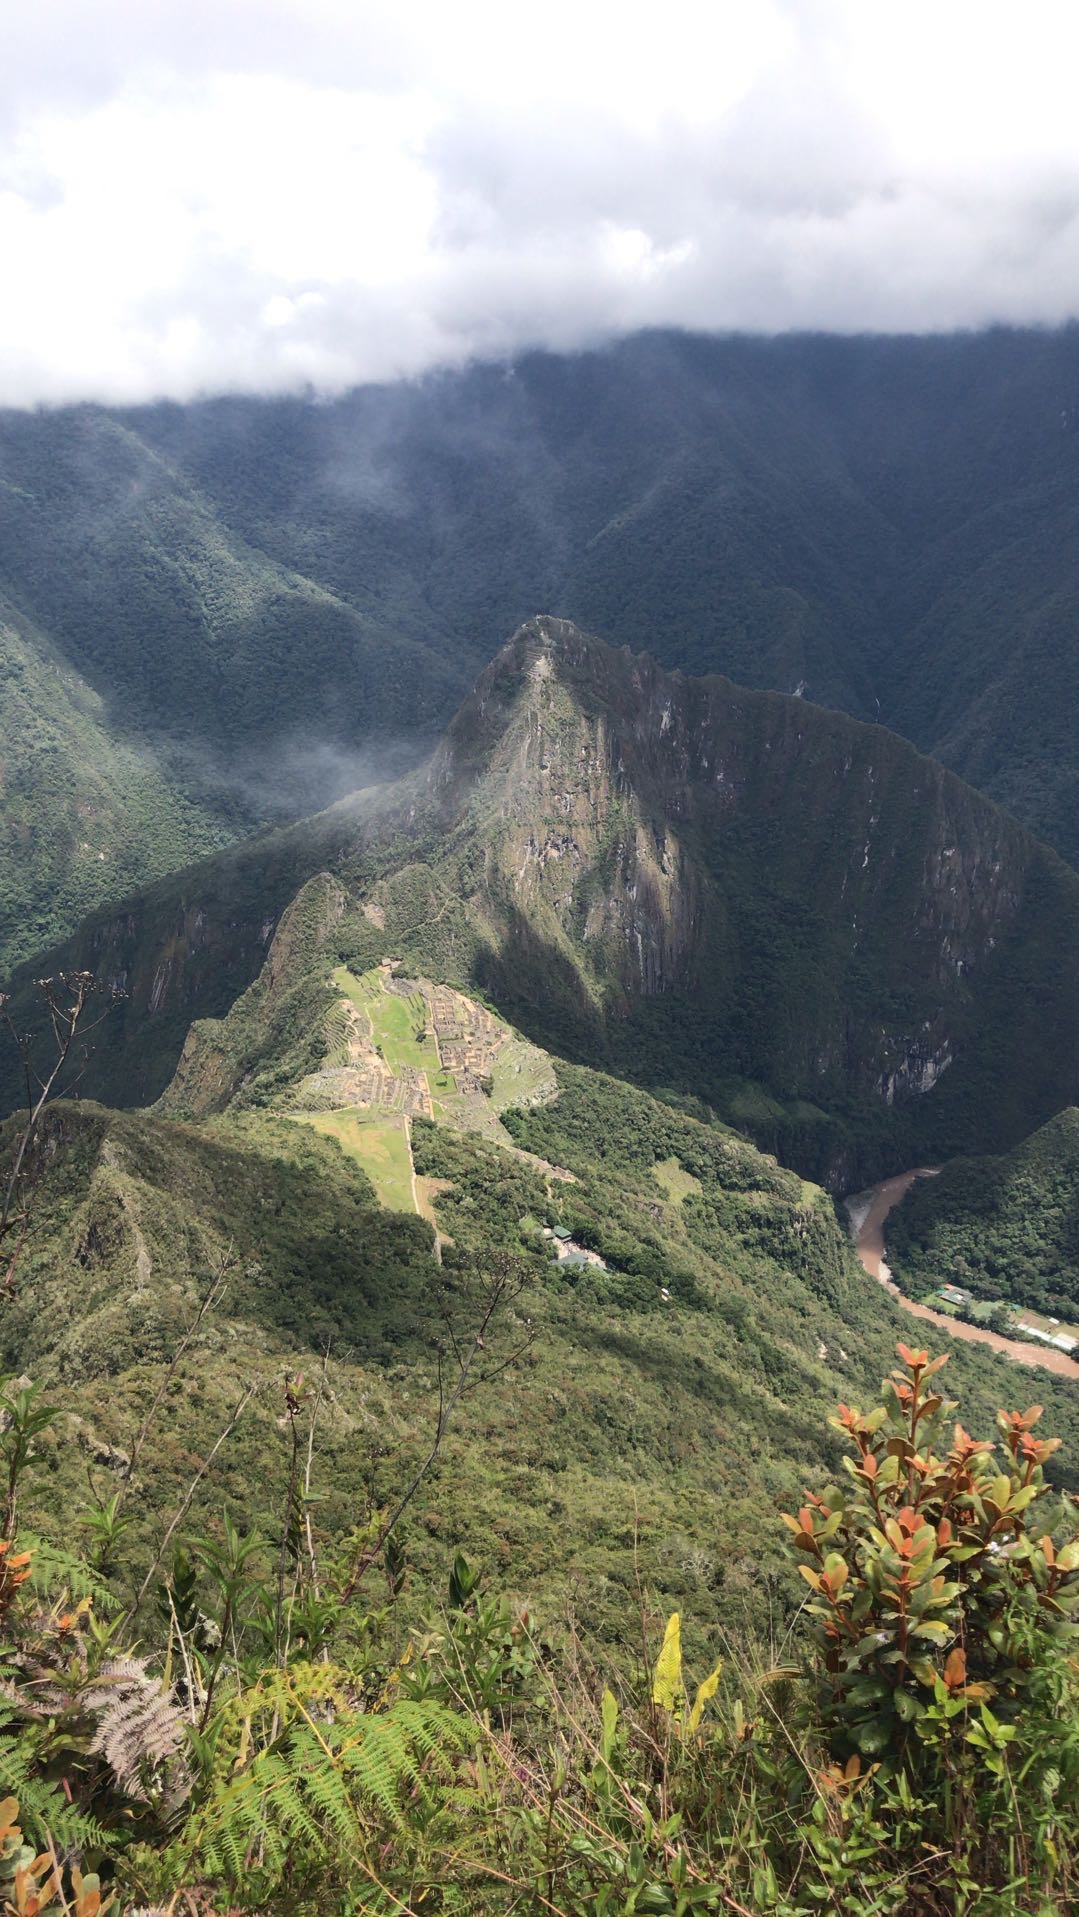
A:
x,y
617,856
275,601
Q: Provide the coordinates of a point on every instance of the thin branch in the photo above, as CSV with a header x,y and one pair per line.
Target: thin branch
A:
x,y
308,1472
212,1298
185,1504
66,1022
189,1674
446,1405
292,1406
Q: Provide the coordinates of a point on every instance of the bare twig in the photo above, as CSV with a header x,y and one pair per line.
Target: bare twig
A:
x,y
66,1000
505,1282
292,1406
185,1503
212,1298
189,1675
312,1558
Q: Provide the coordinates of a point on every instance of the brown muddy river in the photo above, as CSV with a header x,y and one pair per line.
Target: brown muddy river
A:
x,y
868,1211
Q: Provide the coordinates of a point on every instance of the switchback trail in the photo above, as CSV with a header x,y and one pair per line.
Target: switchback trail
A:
x,y
867,1211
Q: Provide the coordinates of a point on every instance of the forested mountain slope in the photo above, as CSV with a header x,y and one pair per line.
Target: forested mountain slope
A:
x,y
624,1399
86,813
278,600
166,686
707,889
662,1404
1005,1227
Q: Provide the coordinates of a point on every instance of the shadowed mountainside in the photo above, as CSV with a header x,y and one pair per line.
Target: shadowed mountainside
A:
x,y
270,603
619,857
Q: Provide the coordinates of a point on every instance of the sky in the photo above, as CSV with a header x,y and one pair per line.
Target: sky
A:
x,y
202,196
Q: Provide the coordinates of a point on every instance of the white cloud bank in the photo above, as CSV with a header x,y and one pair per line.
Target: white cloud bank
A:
x,y
261,195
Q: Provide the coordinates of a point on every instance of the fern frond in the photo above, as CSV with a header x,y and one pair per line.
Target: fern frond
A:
x,y
276,1700
56,1574
139,1728
325,1789
44,1812
265,1806
330,1799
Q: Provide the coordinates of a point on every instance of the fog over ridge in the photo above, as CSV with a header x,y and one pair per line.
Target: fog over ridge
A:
x,y
267,196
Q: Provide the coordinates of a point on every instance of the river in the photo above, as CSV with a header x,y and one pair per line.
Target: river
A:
x,y
867,1211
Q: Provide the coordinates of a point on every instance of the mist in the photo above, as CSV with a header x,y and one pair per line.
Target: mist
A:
x,y
281,198
287,777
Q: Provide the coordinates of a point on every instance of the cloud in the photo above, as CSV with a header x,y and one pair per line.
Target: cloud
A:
x,y
268,195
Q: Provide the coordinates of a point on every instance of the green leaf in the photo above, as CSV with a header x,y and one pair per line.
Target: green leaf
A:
x,y
865,1690
609,1708
873,1736
836,1571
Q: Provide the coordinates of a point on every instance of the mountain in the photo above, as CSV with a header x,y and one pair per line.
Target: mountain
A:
x,y
354,1149
1002,1227
671,1387
137,1213
617,857
87,814
269,603
167,687
577,949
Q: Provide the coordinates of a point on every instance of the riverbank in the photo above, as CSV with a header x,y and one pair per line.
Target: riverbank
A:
x,y
868,1211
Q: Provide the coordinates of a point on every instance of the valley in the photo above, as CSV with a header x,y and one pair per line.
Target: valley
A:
x,y
539,960
616,857
218,617
434,1277
868,1212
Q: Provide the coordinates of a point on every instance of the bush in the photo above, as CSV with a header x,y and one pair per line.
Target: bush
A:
x,y
288,1748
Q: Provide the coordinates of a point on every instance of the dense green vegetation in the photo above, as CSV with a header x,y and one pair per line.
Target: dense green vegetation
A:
x,y
881,522
234,611
633,1414
1003,1228
350,1565
619,1390
86,815
282,1733
148,657
235,1676
242,608
616,858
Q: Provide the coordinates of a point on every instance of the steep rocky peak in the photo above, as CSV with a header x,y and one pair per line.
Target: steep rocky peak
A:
x,y
822,909
559,709
558,702
663,835
541,652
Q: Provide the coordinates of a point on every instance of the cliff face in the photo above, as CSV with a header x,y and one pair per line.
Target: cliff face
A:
x,y
693,882
840,911
187,947
576,835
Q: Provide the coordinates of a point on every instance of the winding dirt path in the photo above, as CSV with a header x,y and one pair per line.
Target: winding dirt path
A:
x,y
867,1211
